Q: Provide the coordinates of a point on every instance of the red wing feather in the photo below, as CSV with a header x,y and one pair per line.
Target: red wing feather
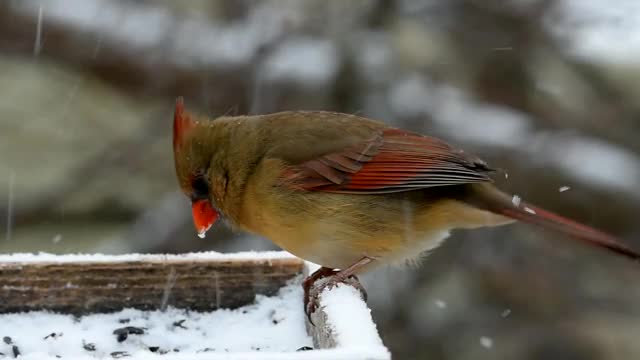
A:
x,y
393,161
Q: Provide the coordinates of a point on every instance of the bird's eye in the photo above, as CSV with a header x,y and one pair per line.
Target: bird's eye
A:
x,y
200,188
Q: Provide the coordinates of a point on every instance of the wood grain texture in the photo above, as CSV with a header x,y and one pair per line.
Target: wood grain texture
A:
x,y
195,284
320,330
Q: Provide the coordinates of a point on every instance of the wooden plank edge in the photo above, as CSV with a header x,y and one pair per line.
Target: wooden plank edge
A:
x,y
201,283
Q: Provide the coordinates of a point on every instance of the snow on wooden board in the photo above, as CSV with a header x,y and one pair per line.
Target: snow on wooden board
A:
x,y
271,328
272,324
97,258
349,321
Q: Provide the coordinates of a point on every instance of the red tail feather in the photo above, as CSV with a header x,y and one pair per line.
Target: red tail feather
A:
x,y
537,216
492,199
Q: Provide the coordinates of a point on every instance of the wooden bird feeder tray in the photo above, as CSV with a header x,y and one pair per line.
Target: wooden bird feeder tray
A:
x,y
35,287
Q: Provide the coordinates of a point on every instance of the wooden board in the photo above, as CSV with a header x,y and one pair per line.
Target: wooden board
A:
x,y
89,287
82,285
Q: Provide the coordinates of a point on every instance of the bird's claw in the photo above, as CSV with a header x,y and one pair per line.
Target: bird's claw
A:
x,y
309,283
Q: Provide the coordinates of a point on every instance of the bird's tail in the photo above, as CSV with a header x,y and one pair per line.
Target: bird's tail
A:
x,y
488,197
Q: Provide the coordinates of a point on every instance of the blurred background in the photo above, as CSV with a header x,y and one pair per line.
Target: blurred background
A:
x,y
546,90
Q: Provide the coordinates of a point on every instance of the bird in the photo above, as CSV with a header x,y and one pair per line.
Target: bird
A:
x,y
344,191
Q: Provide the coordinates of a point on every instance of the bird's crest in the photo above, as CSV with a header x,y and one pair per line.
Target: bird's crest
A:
x,y
182,122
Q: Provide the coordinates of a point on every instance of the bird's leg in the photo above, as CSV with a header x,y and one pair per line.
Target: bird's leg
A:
x,y
332,278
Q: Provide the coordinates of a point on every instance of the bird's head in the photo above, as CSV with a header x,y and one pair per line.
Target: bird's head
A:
x,y
192,167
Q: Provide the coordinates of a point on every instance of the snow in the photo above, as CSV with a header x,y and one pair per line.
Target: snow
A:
x,y
350,320
440,304
37,46
374,57
516,200
608,165
303,59
272,324
597,30
486,342
460,118
456,115
204,256
163,36
148,23
271,328
56,238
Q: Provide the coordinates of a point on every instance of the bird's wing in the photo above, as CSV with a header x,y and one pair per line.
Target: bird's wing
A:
x,y
393,160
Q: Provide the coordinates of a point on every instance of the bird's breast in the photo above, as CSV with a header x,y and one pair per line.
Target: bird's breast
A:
x,y
336,230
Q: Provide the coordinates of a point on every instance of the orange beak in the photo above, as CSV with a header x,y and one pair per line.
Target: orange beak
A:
x,y
204,215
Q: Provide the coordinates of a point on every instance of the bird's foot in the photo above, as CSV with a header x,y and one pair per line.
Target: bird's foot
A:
x,y
308,283
325,279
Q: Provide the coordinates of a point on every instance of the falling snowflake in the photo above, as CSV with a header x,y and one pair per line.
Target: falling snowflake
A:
x,y
486,342
516,200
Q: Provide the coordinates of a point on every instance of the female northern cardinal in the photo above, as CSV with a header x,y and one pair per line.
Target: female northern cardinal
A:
x,y
343,191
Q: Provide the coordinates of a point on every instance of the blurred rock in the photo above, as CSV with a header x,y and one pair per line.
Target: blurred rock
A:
x,y
74,147
55,120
